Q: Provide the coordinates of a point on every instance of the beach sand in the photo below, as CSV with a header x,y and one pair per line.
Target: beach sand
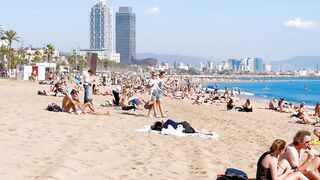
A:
x,y
38,144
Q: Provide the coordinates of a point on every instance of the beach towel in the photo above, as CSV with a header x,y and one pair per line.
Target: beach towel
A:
x,y
179,132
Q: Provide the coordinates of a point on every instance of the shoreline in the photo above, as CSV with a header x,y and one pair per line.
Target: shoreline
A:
x,y
261,96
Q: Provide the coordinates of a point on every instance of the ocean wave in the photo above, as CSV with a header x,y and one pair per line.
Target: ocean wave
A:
x,y
247,93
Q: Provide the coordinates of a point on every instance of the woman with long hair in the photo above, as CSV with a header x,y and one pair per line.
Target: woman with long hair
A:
x,y
270,168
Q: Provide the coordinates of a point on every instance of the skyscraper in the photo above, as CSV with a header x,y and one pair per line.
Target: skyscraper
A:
x,y
101,27
126,34
258,65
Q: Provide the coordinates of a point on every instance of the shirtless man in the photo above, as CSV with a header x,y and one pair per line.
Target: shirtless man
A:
x,y
311,166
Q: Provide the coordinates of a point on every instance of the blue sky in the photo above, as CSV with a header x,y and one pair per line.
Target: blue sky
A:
x,y
216,29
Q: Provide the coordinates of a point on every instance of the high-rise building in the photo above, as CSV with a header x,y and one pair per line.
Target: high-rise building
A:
x,y
126,34
101,27
258,65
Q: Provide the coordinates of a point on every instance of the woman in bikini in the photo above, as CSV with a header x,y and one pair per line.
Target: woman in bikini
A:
x,y
270,168
72,103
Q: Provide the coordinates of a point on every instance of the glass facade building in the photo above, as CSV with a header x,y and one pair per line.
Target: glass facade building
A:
x,y
126,34
101,27
258,65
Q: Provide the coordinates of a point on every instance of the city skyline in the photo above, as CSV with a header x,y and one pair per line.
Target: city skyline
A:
x,y
211,29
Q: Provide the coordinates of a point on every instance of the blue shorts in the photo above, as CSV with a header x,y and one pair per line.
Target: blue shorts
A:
x,y
158,95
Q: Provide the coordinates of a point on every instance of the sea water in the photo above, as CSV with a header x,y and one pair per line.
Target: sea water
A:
x,y
293,90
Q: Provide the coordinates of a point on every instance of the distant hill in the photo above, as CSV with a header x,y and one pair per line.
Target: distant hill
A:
x,y
194,61
298,62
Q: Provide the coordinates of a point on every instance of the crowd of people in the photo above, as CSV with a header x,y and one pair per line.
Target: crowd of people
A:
x,y
300,111
141,91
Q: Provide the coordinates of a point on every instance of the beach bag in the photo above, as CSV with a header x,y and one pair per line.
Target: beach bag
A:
x,y
235,174
40,93
54,107
187,127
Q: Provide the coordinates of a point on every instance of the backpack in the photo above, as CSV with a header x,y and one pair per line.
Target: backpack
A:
x,y
54,107
235,174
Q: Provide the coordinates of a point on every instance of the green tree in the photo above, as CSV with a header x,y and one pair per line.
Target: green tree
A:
x,y
23,56
82,63
4,50
37,57
16,59
49,52
10,36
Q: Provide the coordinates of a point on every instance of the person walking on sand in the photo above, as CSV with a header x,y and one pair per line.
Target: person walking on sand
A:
x,y
153,88
161,85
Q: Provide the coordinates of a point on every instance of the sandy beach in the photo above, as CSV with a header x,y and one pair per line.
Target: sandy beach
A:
x,y
38,144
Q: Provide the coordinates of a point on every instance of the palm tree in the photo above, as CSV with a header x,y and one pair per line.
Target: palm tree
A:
x,y
22,54
49,51
10,36
37,57
4,50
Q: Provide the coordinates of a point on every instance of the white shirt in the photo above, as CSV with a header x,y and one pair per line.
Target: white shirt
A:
x,y
153,83
86,78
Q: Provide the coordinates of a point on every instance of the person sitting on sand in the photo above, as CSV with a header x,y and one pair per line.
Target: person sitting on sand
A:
x,y
273,104
230,105
95,90
269,167
246,107
317,110
72,102
303,115
316,132
124,100
198,101
294,151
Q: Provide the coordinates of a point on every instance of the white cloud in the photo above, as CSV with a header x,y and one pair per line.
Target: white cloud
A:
x,y
155,11
300,24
